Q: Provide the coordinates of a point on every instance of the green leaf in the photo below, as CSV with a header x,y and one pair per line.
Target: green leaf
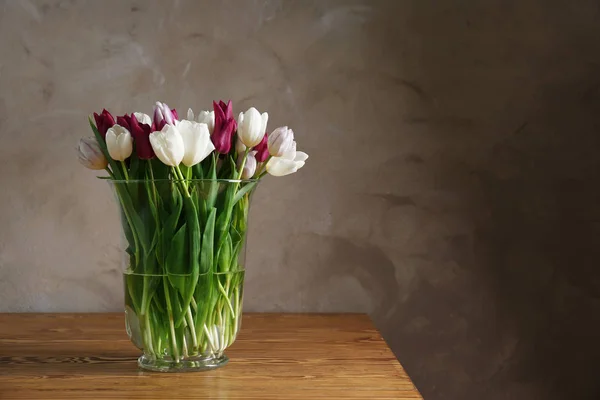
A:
x,y
206,252
193,251
235,256
127,230
233,166
194,233
134,165
178,259
198,171
213,186
240,193
225,252
161,171
153,199
132,217
169,227
200,204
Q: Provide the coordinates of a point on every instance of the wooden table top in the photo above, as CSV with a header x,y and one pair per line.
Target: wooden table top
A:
x,y
276,356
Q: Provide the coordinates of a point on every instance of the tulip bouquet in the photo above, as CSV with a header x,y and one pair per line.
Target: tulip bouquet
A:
x,y
184,188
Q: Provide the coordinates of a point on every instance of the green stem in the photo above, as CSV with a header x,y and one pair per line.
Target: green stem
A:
x,y
174,349
209,338
259,173
242,167
153,185
184,343
237,310
125,170
190,322
148,333
182,181
152,197
219,326
225,295
191,215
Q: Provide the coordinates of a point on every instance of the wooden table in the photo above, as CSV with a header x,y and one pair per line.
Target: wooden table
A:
x,y
276,356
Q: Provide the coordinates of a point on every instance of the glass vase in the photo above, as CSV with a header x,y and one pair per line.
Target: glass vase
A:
x,y
183,261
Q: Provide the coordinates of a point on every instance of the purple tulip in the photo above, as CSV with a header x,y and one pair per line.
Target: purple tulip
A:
x,y
141,137
262,149
225,126
125,122
164,115
104,122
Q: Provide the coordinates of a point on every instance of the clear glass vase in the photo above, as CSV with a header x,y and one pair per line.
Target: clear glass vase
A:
x,y
183,261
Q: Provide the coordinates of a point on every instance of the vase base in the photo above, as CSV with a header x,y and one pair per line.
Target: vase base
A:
x,y
188,364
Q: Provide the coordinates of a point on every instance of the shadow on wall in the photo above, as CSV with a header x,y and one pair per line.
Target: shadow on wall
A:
x,y
519,317
479,254
541,242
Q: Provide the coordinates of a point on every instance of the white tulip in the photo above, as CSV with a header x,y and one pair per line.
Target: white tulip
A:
x,y
196,141
90,155
119,142
190,115
249,166
168,145
204,117
143,118
290,162
280,141
240,147
252,126
208,118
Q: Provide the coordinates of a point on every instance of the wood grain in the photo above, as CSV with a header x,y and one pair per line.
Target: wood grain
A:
x,y
276,356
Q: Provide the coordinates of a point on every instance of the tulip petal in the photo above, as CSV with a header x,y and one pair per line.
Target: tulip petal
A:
x,y
168,145
290,153
119,142
227,108
278,166
262,149
98,120
280,141
90,155
143,118
219,116
125,143
250,127
111,144
124,121
249,166
208,118
190,115
140,133
222,138
197,143
300,156
264,119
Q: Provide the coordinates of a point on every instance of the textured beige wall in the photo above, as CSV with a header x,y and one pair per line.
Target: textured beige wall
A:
x,y
452,189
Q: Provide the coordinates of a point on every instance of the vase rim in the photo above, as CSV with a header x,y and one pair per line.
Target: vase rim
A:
x,y
180,180
237,271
